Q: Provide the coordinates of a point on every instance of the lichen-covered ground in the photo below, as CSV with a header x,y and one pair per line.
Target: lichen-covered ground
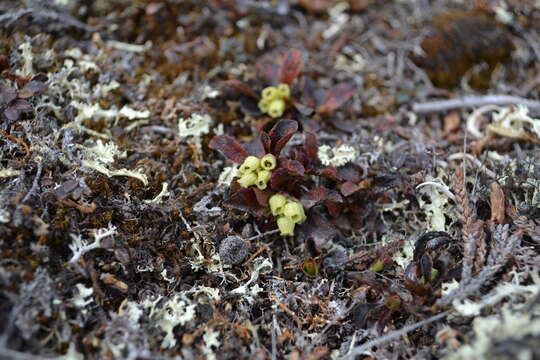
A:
x,y
123,237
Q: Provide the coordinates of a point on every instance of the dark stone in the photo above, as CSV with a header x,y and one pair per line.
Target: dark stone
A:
x,y
233,250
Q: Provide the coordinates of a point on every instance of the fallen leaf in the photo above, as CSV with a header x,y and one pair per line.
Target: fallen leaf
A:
x,y
336,97
290,67
497,200
229,147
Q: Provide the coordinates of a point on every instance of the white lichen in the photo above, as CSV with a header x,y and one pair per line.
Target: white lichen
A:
x,y
211,293
176,311
104,153
210,339
194,127
404,256
437,206
8,172
338,19
5,216
336,156
71,354
510,326
350,61
448,287
515,122
249,291
101,156
502,14
96,112
135,48
166,277
466,307
131,311
227,175
27,55
79,246
159,197
83,296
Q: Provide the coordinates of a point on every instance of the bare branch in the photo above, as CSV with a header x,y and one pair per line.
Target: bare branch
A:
x,y
393,335
470,101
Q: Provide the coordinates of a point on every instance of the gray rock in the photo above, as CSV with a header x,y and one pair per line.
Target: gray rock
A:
x,y
233,250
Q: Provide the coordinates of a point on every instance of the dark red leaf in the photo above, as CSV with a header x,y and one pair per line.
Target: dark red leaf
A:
x,y
229,147
349,188
231,6
262,196
255,147
350,172
7,94
310,94
12,114
386,182
361,314
303,109
412,281
281,179
426,264
336,97
20,80
320,195
291,66
318,229
267,143
310,145
314,196
241,87
340,221
333,208
293,167
249,106
66,188
317,6
281,133
245,199
269,70
20,105
299,154
345,126
32,88
330,173
4,63
429,240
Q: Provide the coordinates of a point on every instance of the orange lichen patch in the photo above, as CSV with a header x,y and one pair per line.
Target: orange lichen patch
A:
x,y
460,41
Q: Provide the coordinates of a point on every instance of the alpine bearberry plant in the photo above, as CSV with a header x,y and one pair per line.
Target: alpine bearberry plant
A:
x,y
288,94
292,185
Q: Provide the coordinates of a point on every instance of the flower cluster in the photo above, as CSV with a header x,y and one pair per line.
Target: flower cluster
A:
x,y
274,100
255,171
288,213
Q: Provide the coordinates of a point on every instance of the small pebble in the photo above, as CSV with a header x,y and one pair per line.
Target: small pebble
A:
x,y
233,250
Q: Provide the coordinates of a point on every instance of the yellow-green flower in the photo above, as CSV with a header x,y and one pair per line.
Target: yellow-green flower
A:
x,y
248,179
263,176
276,108
294,211
250,164
277,203
268,162
274,100
270,93
286,226
284,91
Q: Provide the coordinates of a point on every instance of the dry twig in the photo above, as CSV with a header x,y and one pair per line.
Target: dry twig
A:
x,y
473,101
393,335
